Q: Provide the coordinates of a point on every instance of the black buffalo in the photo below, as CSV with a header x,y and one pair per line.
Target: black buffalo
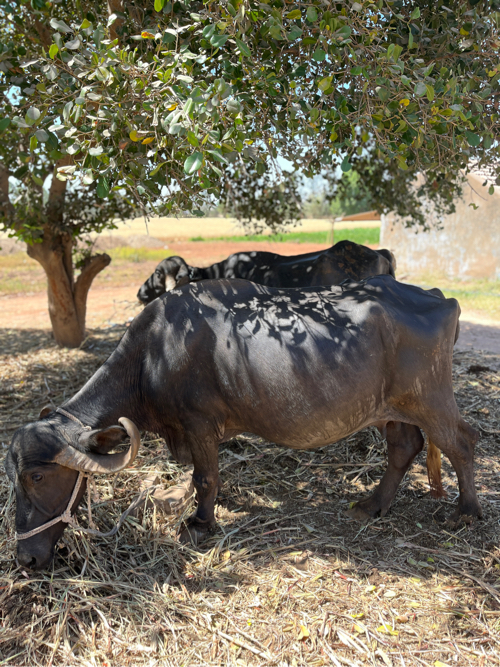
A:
x,y
301,368
343,261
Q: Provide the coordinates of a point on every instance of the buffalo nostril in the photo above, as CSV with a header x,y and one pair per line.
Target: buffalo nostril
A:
x,y
26,560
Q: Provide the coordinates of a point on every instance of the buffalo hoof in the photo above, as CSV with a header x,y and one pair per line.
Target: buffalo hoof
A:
x,y
365,510
465,516
195,532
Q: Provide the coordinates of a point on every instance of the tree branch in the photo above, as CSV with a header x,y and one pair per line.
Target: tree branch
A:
x,y
91,268
5,203
55,205
115,7
43,32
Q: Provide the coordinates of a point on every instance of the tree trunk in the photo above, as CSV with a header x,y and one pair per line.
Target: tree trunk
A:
x,y
67,298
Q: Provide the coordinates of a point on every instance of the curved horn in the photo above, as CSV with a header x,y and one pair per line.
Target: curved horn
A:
x,y
102,463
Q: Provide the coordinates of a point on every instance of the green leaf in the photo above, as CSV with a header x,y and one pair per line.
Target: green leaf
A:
x,y
312,14
319,55
415,14
73,44
383,93
294,14
430,92
325,83
234,107
42,136
4,124
33,143
472,138
487,141
102,187
193,162
491,190
346,165
85,24
420,89
188,107
208,31
218,40
192,138
294,33
32,115
356,70
60,25
244,50
53,51
159,4
217,155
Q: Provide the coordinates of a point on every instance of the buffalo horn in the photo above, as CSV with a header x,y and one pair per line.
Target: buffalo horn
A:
x,y
102,463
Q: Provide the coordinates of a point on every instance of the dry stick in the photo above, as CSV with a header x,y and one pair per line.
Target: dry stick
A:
x,y
243,644
483,584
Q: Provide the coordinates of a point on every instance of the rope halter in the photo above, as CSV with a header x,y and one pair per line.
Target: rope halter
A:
x,y
65,517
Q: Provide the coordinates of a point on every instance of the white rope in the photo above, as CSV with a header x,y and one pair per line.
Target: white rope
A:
x,y
73,418
65,517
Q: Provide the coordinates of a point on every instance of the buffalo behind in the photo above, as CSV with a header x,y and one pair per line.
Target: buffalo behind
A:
x,y
343,261
302,368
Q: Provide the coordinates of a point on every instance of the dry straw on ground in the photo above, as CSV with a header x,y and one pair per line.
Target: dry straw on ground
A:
x,y
287,579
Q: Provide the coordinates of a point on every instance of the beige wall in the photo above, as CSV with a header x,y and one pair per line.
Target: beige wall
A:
x,y
467,246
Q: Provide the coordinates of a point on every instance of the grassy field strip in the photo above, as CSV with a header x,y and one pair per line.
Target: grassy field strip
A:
x,y
480,296
184,228
363,235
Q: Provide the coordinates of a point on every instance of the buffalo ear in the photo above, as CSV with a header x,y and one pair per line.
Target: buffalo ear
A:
x,y
45,411
182,277
102,441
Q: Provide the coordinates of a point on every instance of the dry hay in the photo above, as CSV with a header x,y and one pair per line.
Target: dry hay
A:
x,y
287,579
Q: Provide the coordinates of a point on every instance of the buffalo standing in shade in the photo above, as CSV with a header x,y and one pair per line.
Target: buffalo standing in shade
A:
x,y
302,368
343,261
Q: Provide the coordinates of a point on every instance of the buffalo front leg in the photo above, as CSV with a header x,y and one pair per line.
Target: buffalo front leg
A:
x,y
404,442
206,483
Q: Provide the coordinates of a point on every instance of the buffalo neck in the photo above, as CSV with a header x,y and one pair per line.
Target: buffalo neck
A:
x,y
115,390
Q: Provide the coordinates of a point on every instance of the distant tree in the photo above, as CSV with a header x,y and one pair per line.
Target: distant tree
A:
x,y
263,200
375,183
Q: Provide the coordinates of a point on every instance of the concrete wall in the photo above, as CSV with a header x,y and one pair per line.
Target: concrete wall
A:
x,y
468,245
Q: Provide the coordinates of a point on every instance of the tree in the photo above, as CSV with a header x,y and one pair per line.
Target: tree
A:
x,y
379,184
158,98
263,200
48,215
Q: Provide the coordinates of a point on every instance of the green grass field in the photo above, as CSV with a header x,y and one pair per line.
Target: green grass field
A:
x,y
364,235
136,255
480,295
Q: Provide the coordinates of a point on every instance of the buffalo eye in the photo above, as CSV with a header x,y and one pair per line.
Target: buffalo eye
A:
x,y
36,477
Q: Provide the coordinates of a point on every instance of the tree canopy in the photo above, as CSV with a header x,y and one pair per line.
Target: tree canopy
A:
x,y
160,98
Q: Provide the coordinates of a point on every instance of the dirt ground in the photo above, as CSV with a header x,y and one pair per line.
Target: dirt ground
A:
x,y
287,579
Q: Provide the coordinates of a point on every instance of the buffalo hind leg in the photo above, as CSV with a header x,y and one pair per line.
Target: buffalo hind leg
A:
x,y
206,484
404,442
460,451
